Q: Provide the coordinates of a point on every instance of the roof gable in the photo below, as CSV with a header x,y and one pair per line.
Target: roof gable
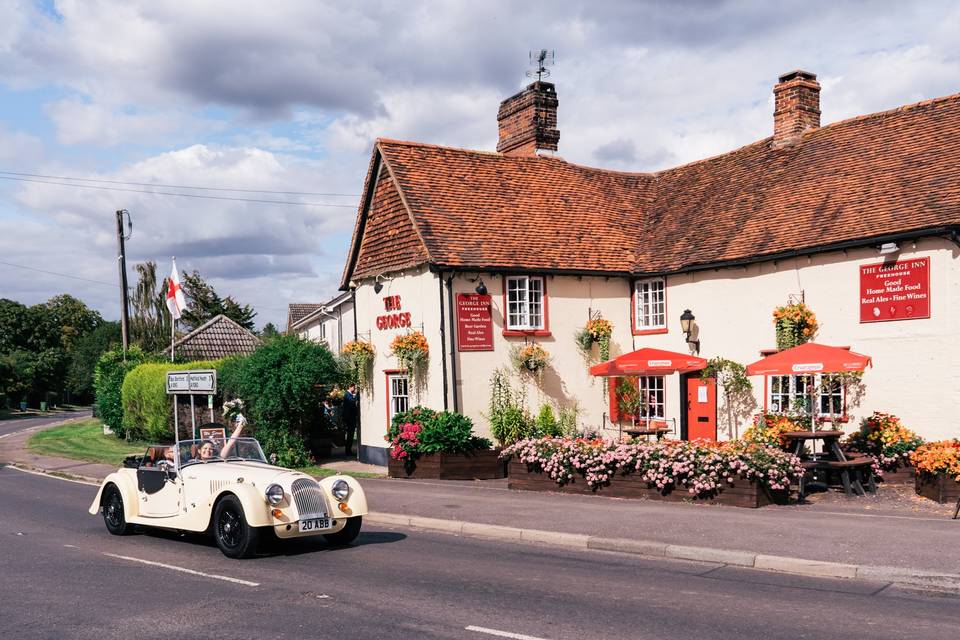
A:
x,y
217,338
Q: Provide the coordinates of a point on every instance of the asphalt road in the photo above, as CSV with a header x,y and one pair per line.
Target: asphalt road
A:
x,y
64,576
14,425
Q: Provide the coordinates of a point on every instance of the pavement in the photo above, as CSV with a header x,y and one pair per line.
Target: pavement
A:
x,y
895,536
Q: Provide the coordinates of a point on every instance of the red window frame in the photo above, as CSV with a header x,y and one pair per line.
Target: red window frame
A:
x,y
612,395
633,310
506,312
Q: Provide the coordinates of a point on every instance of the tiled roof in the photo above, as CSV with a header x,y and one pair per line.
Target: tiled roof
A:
x,y
218,338
871,176
297,311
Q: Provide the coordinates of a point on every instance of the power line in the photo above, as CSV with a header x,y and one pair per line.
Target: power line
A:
x,y
180,186
54,273
182,195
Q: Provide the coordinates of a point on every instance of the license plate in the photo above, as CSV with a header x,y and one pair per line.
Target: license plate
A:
x,y
314,523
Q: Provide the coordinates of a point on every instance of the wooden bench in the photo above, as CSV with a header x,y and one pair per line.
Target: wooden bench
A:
x,y
861,468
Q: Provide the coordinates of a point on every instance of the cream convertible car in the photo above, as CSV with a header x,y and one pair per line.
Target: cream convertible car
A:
x,y
233,494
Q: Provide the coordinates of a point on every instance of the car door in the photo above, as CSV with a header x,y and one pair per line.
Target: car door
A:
x,y
158,486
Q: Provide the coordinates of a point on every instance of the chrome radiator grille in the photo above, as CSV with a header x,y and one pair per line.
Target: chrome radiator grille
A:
x,y
309,499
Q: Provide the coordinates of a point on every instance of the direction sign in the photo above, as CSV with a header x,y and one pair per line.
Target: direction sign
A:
x,y
195,381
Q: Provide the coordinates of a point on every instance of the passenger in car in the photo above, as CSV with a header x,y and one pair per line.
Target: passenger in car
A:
x,y
207,450
168,457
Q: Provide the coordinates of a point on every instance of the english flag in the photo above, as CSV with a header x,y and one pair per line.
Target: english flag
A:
x,y
176,303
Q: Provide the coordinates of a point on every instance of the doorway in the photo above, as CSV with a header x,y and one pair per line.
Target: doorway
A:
x,y
701,408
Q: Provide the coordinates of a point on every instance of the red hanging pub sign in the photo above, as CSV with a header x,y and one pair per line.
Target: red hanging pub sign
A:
x,y
895,290
474,322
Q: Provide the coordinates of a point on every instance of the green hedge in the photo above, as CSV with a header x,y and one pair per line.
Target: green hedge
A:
x,y
108,381
147,409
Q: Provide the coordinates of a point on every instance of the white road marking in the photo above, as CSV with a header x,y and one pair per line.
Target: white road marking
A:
x,y
185,570
49,475
502,634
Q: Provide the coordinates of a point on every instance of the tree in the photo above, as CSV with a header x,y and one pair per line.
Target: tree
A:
x,y
203,304
269,331
69,319
83,359
150,324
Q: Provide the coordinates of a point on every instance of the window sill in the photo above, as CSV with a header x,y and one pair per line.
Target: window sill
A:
x,y
649,332
521,333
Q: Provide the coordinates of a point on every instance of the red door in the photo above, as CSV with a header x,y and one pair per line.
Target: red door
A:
x,y
701,408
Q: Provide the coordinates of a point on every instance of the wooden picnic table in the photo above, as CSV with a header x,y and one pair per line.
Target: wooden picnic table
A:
x,y
833,460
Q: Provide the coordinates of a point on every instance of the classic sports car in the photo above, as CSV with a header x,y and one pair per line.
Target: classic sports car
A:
x,y
229,490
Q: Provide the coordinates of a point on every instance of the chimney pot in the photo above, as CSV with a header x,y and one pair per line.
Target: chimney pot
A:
x,y
797,107
527,121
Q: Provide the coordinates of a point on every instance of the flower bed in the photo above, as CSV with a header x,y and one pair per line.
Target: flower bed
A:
x,y
737,473
430,444
938,470
883,436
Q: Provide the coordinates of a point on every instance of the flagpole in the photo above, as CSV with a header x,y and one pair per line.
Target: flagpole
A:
x,y
173,319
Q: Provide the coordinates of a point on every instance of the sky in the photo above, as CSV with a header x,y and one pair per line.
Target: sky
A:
x,y
266,113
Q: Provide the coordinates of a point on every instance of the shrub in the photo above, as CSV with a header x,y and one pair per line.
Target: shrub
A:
x,y
283,383
546,423
108,378
147,409
508,417
883,436
421,430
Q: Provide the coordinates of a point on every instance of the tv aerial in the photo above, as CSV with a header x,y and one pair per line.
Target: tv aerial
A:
x,y
542,59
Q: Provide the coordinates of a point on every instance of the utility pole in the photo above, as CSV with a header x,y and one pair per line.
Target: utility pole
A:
x,y
122,261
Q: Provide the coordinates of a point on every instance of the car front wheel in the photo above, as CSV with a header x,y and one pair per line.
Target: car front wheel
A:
x,y
346,535
112,505
234,536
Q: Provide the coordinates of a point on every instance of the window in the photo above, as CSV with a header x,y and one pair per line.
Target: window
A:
x,y
651,397
323,330
650,304
791,394
398,388
525,303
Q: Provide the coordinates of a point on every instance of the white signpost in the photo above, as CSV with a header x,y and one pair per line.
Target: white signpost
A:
x,y
203,381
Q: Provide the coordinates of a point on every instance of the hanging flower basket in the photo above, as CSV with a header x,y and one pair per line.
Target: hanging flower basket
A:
x,y
360,356
597,331
530,358
412,351
795,324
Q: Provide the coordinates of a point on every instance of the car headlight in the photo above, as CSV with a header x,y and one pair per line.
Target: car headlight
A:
x,y
340,490
274,494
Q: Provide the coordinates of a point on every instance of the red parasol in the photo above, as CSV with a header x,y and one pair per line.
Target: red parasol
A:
x,y
809,358
645,362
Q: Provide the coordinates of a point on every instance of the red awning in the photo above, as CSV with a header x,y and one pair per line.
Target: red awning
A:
x,y
645,362
809,358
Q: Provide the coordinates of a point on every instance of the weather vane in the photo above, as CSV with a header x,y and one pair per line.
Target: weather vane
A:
x,y
542,59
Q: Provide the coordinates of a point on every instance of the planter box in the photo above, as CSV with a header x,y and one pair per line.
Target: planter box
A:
x,y
903,475
479,465
743,493
939,488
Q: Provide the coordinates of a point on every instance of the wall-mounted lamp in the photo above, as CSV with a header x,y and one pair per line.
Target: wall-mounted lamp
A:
x,y
377,285
686,325
888,247
481,288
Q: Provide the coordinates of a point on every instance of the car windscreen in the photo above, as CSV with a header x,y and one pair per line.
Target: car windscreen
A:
x,y
217,450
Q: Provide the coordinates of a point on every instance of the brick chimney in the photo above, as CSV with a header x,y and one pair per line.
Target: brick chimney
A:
x,y
528,121
797,107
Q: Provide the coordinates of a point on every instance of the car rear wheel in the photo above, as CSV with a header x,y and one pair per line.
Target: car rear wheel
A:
x,y
112,505
234,536
347,534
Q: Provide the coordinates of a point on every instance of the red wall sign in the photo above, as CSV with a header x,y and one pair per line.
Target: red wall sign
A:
x,y
895,290
393,320
474,322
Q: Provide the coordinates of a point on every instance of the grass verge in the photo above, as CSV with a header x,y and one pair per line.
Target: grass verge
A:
x,y
84,440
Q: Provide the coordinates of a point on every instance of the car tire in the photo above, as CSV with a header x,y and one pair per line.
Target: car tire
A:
x,y
234,536
346,535
113,517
